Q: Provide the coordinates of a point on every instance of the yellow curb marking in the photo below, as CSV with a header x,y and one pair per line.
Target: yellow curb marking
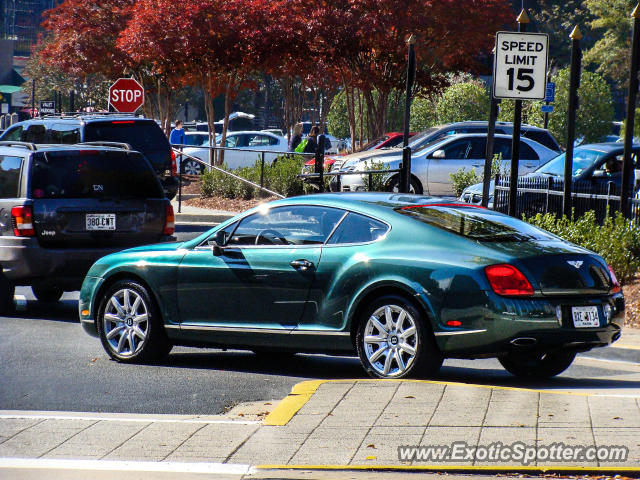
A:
x,y
625,346
441,468
302,392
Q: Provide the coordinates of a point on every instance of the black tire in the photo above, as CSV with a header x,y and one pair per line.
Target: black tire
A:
x,y
537,365
427,359
415,185
7,290
194,167
47,294
153,347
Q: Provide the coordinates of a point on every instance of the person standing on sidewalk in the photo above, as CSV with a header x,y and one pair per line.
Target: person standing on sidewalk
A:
x,y
312,140
296,138
177,136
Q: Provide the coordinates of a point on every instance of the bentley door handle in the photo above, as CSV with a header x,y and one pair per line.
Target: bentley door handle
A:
x,y
302,264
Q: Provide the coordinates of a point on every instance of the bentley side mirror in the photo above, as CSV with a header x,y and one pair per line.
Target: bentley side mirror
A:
x,y
218,243
438,154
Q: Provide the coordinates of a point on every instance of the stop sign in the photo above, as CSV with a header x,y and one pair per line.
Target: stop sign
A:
x,y
126,95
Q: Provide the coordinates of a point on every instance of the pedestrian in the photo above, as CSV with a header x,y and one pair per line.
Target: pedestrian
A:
x,y
312,140
296,138
177,136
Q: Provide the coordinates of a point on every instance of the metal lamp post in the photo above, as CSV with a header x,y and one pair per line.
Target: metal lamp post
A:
x,y
405,175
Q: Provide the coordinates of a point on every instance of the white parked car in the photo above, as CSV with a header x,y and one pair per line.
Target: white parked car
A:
x,y
432,164
244,148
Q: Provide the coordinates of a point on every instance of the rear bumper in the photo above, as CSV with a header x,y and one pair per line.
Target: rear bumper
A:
x,y
24,261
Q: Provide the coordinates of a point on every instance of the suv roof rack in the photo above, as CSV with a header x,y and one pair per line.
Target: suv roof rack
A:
x,y
91,114
30,146
124,146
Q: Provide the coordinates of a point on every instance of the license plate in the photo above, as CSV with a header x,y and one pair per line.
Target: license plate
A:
x,y
101,221
585,317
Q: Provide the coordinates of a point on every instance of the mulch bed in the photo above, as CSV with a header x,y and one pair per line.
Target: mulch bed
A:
x,y
226,204
632,303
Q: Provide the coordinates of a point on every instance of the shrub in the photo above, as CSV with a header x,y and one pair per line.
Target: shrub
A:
x,y
463,179
617,240
378,181
463,101
281,177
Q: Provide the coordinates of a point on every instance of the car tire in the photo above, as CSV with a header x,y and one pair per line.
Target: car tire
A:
x,y
404,339
130,325
415,185
537,365
190,167
47,294
7,290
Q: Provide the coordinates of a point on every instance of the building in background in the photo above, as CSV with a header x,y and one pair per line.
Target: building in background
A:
x,y
20,21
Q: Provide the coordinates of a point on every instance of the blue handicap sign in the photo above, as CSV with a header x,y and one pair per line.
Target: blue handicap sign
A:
x,y
550,92
546,108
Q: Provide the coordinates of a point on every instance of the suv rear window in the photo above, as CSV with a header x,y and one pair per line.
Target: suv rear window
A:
x,y
543,138
10,176
93,174
476,224
142,136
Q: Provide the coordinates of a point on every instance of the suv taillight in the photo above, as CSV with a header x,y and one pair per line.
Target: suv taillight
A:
x,y
169,221
615,285
174,165
508,280
22,221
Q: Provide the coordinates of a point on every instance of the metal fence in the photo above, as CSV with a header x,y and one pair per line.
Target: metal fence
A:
x,y
545,195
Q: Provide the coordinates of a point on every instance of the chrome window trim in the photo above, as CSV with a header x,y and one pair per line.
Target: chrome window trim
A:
x,y
204,246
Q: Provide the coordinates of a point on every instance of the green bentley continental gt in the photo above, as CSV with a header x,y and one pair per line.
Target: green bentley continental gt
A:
x,y
402,280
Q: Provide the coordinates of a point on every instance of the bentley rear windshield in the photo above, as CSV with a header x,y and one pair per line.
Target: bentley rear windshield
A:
x,y
474,223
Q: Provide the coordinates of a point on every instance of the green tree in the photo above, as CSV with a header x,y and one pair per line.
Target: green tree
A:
x,y
610,54
423,114
636,125
463,101
593,119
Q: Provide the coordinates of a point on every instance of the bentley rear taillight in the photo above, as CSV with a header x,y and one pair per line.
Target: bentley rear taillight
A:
x,y
508,280
615,285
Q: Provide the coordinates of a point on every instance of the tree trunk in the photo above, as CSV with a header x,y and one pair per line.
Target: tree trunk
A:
x,y
207,88
228,101
376,112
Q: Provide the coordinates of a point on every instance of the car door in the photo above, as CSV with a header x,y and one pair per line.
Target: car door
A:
x,y
262,276
529,159
261,142
235,157
439,169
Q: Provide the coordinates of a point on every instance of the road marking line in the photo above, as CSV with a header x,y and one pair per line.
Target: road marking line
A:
x,y
607,360
453,468
626,347
131,466
126,419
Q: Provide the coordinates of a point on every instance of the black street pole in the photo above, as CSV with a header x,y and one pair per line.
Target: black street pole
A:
x,y
33,98
627,164
546,102
574,84
523,20
491,132
405,174
72,100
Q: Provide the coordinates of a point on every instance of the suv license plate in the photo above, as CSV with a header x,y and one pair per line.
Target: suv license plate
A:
x,y
101,221
585,317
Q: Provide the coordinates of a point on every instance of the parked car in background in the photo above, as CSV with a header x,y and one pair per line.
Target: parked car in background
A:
x,y
432,165
241,148
417,142
402,281
64,206
142,134
275,131
589,168
386,141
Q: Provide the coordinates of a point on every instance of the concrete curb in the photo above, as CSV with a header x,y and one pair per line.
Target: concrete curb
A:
x,y
204,219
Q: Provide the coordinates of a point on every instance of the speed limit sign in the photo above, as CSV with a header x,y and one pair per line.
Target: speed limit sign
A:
x,y
520,65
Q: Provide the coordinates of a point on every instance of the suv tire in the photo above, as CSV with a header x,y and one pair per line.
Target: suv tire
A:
x,y
47,294
7,290
130,325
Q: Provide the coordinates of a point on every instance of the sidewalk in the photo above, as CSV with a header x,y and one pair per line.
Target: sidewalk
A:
x,y
341,424
202,216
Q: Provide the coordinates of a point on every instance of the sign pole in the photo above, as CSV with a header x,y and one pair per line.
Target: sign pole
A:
x,y
627,164
33,98
546,102
405,175
488,159
523,20
574,84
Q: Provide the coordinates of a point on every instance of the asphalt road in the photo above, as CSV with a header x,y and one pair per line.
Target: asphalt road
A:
x,y
47,362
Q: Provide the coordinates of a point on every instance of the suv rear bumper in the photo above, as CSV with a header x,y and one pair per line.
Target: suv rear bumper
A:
x,y
23,261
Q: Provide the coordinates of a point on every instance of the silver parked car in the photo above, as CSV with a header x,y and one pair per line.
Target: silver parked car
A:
x,y
432,165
